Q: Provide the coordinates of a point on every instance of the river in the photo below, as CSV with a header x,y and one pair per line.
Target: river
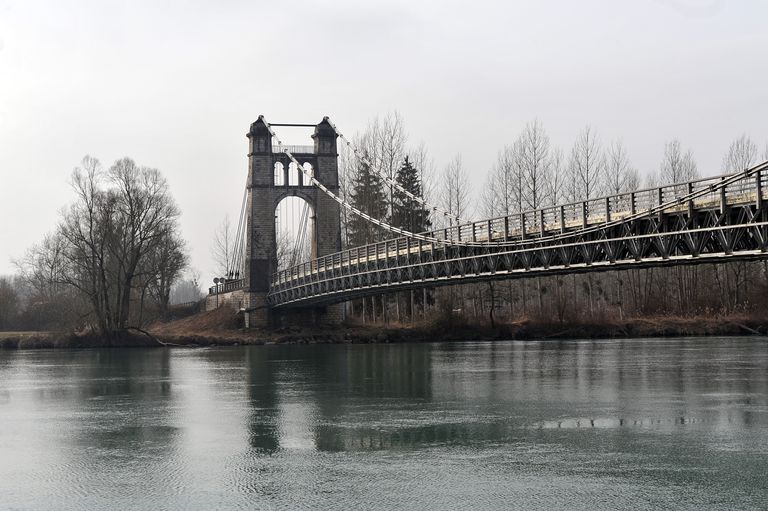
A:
x,y
615,424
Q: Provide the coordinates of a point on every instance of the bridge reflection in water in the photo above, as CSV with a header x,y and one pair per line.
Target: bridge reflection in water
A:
x,y
361,397
404,396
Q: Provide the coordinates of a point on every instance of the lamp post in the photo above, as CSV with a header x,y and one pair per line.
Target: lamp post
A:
x,y
219,284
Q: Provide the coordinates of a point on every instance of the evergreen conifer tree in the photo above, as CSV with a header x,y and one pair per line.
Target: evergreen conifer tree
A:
x,y
367,195
407,213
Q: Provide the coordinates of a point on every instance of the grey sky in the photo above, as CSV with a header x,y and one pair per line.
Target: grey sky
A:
x,y
175,85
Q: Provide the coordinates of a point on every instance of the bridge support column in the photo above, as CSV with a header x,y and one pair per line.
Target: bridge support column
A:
x,y
300,316
263,197
257,312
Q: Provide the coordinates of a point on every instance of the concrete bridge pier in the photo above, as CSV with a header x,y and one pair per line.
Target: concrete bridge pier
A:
x,y
303,316
259,314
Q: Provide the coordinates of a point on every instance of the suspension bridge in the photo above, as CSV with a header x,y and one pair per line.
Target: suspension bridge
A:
x,y
714,219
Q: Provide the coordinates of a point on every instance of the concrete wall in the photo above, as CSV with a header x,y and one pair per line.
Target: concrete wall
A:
x,y
233,299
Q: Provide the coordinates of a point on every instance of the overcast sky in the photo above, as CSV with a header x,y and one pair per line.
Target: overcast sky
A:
x,y
175,85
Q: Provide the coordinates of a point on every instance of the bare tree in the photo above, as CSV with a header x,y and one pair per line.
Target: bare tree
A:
x,y
556,183
741,155
503,193
107,236
555,189
489,198
620,175
533,160
49,302
677,166
347,173
86,232
456,190
586,167
223,247
165,265
42,268
148,216
384,143
506,184
651,180
526,174
9,303
289,252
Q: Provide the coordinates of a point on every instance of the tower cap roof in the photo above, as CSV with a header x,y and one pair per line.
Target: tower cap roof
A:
x,y
324,129
259,128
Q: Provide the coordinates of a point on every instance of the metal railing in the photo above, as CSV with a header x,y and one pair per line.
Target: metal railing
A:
x,y
294,149
228,286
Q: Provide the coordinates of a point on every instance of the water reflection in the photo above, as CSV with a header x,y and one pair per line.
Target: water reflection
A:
x,y
379,397
222,426
262,400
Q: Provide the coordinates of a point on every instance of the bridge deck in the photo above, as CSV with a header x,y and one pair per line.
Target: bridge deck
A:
x,y
395,248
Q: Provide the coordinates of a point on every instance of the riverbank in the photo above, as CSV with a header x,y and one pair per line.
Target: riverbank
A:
x,y
222,328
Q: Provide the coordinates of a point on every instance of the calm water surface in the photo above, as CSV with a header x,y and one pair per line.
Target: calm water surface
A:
x,y
642,424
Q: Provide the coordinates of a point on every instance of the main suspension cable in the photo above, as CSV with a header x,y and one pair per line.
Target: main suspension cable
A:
x,y
300,240
239,249
517,242
348,206
393,182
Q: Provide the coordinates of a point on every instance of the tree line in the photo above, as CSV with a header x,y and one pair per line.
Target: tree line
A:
x,y
530,173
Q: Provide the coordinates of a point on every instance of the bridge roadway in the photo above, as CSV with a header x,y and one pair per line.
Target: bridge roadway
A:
x,y
708,220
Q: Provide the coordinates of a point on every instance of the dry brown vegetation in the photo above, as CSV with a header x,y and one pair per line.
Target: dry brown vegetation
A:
x,y
223,327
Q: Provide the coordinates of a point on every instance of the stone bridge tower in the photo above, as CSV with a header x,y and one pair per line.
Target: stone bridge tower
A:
x,y
264,192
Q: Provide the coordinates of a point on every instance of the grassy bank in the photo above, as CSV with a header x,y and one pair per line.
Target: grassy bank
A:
x,y
222,328
222,325
63,340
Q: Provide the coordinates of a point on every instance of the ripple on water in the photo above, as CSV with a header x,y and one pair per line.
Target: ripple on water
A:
x,y
491,426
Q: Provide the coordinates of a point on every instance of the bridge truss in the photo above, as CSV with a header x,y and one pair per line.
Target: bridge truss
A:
x,y
707,220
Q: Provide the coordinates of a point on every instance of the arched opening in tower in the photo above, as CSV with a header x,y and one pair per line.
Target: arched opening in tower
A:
x,y
295,231
279,174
